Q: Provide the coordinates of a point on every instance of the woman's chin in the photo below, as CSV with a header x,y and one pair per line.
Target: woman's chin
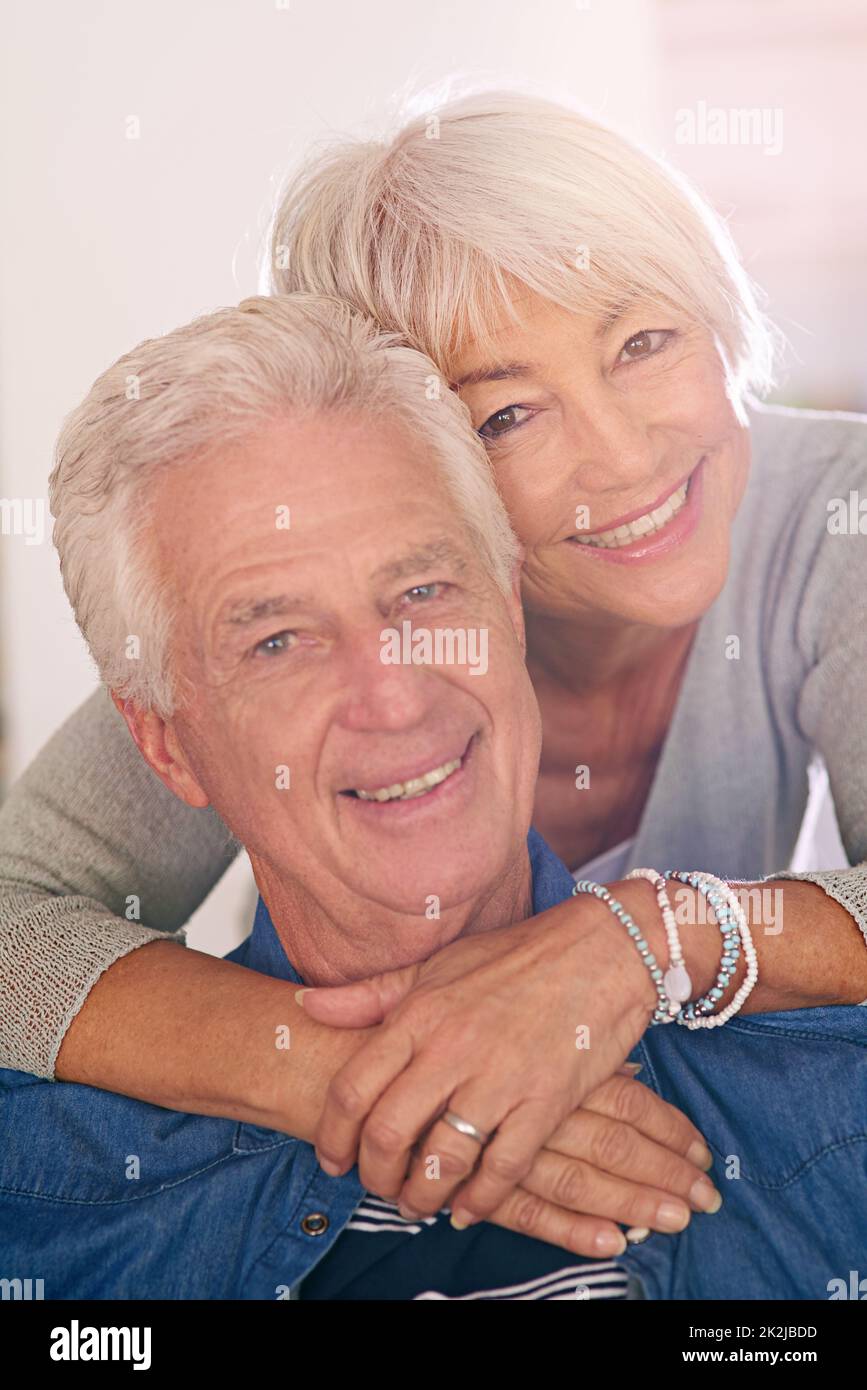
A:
x,y
670,595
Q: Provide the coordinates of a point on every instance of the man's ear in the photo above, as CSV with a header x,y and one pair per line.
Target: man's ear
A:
x,y
158,744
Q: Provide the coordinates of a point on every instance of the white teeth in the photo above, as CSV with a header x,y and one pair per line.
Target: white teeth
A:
x,y
416,786
641,526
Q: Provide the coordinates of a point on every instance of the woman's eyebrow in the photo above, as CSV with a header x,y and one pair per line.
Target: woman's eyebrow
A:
x,y
507,371
504,371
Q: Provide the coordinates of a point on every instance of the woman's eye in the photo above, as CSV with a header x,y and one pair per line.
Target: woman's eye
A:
x,y
278,642
645,343
503,421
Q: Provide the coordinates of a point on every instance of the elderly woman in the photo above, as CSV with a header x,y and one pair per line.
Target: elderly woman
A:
x,y
696,637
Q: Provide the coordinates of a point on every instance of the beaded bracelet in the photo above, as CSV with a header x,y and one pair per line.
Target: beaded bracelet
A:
x,y
726,907
676,981
662,1012
731,944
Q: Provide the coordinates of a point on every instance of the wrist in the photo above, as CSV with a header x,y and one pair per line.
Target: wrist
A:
x,y
618,948
291,1089
699,938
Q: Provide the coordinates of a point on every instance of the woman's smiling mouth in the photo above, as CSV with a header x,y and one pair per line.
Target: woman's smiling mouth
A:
x,y
646,535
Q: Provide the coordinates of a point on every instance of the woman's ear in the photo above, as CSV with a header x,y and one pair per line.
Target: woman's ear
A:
x,y
158,744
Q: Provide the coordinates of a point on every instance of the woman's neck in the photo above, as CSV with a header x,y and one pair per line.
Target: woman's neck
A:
x,y
607,703
586,658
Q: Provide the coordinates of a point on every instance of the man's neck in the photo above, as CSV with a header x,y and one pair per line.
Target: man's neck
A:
x,y
336,936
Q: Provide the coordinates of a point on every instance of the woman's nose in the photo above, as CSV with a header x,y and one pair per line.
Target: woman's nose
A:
x,y
612,448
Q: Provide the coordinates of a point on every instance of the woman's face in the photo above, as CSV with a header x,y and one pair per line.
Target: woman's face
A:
x,y
591,427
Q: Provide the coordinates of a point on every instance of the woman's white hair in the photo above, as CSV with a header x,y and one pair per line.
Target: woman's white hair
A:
x,y
220,379
428,233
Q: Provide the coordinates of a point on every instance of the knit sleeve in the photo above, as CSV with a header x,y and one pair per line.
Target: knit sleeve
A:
x,y
97,857
848,887
832,637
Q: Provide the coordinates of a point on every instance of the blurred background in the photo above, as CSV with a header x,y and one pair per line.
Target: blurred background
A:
x,y
143,147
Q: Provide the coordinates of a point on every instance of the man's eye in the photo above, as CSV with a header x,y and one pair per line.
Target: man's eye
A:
x,y
645,344
503,421
423,593
278,642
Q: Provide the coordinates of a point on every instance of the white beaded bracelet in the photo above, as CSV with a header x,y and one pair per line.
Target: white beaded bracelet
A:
x,y
676,981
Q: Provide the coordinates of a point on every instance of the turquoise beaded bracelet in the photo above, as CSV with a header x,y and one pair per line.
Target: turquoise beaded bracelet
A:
x,y
662,1012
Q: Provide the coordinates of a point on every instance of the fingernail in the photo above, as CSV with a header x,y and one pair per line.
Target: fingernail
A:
x,y
407,1213
636,1234
609,1243
632,1067
700,1155
704,1195
672,1216
330,1168
461,1220
299,995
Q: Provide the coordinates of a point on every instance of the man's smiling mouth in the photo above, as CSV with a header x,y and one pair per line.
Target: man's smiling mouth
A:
x,y
421,785
416,786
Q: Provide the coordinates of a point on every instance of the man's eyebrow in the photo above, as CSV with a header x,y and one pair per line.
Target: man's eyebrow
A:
x,y
246,611
438,552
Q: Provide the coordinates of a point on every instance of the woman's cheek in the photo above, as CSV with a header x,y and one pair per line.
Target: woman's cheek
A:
x,y
536,496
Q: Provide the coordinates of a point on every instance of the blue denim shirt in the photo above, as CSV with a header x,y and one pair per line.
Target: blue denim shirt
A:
x,y
106,1197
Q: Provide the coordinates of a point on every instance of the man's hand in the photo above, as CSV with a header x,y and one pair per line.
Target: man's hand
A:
x,y
625,1156
510,1029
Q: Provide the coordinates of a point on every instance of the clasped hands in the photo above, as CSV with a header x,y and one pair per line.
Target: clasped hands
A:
x,y
523,1032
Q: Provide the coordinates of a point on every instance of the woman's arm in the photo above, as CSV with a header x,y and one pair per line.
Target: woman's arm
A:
x,y
192,1032
97,858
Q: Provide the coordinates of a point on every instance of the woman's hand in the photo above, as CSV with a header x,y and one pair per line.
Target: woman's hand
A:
x,y
625,1156
510,1029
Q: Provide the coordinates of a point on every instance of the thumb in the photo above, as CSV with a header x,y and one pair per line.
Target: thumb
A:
x,y
362,1003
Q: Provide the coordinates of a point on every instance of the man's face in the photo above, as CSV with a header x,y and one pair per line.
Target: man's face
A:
x,y
293,711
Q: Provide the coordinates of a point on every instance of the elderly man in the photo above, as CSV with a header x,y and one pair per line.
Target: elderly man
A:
x,y
248,511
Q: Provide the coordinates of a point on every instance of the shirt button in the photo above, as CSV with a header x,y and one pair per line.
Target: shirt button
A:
x,y
315,1223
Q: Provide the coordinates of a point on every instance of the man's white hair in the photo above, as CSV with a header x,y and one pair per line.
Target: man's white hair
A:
x,y
221,379
428,232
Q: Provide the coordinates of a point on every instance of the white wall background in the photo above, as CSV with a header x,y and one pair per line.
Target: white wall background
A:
x,y
107,240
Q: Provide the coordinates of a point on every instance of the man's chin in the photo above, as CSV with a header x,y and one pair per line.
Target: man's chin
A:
x,y
424,881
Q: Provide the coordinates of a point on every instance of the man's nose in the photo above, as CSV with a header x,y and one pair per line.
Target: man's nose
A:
x,y
384,691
